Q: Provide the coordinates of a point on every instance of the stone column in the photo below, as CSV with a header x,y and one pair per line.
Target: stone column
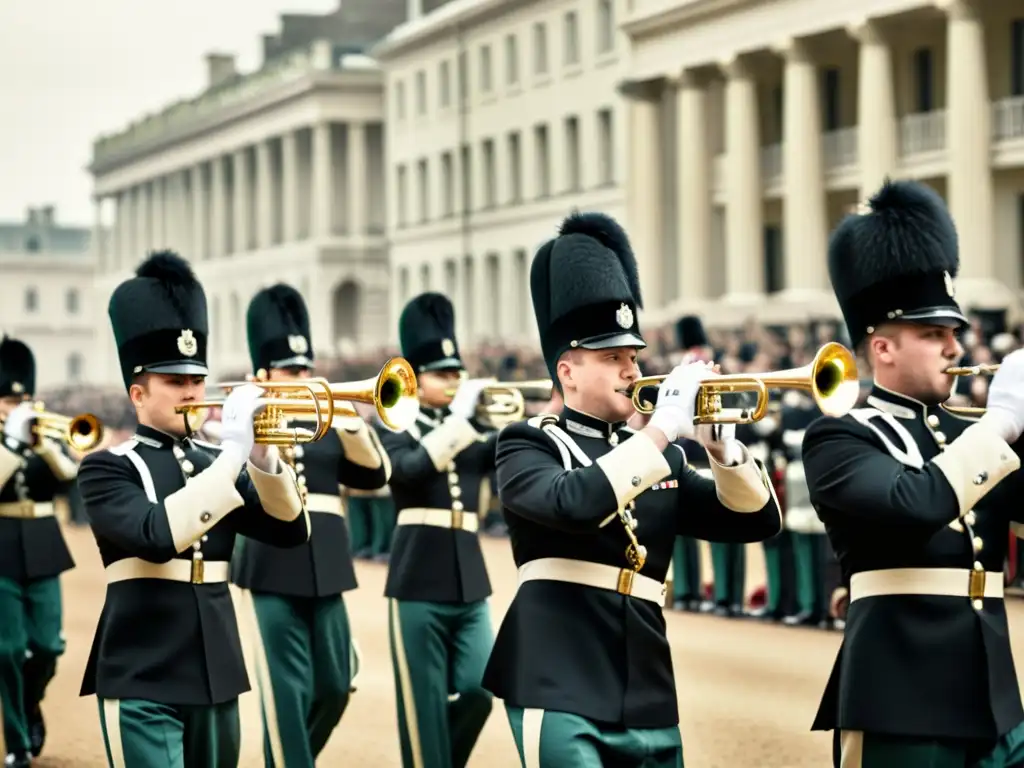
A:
x,y
200,212
289,187
99,245
644,189
323,181
805,213
242,183
693,182
146,240
358,188
744,208
219,212
968,142
264,196
877,148
118,250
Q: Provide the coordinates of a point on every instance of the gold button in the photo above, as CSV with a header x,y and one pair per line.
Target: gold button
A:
x,y
457,506
297,452
451,466
970,518
205,517
299,467
301,480
453,478
456,491
187,467
978,566
940,438
978,544
977,605
933,420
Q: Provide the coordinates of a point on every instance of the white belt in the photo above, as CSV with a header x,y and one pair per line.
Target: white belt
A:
x,y
325,502
26,510
440,518
625,581
189,571
951,582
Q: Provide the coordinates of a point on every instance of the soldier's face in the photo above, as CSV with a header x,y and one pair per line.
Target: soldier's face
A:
x,y
9,403
911,359
158,394
595,381
290,374
434,386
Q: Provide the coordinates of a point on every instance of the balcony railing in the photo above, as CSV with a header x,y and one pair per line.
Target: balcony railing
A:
x,y
1008,119
923,132
771,163
840,148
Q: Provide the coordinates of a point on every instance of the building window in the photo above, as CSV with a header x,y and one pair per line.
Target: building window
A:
x,y
466,161
515,168
606,146
572,155
74,367
32,244
402,192
31,300
421,93
71,301
540,49
490,191
924,76
485,69
400,100
774,269
511,60
463,77
444,84
605,26
831,99
423,178
779,108
540,140
425,277
447,185
1017,57
571,52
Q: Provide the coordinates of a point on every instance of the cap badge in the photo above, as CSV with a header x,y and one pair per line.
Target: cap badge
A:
x,y
624,316
17,387
950,287
447,347
187,344
298,344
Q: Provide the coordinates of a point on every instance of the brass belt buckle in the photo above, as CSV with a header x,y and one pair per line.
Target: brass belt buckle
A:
x,y
456,520
976,588
198,571
625,585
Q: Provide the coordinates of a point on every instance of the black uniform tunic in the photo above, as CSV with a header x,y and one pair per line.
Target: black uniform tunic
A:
x,y
430,563
323,566
161,640
32,547
580,649
917,665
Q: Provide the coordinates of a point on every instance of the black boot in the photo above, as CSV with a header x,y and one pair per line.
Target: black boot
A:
x,y
36,730
19,760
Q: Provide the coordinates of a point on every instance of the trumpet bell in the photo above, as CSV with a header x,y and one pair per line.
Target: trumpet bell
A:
x,y
392,392
81,433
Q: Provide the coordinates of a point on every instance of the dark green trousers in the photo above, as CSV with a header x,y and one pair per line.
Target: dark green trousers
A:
x,y
560,740
854,749
438,653
30,643
686,570
729,564
146,734
371,521
308,650
773,576
810,572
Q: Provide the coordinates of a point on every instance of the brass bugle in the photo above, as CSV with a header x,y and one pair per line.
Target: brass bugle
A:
x,y
82,433
970,411
831,379
506,400
392,392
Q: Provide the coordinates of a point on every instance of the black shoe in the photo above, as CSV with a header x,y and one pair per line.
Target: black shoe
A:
x,y
383,557
20,760
36,731
802,619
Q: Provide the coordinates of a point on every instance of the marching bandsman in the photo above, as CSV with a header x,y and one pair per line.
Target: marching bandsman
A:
x,y
916,503
304,630
439,617
33,554
593,507
166,662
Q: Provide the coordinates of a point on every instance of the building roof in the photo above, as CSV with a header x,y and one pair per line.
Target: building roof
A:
x,y
441,17
40,233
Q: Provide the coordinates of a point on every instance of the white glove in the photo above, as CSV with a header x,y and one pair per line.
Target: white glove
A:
x,y
468,397
677,400
236,421
724,436
1005,407
18,424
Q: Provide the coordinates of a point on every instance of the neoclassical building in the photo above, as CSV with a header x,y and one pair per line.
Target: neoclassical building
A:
x,y
755,125
48,300
277,175
501,118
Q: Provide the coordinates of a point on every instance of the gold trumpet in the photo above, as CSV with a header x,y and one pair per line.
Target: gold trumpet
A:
x,y
505,401
831,379
970,411
392,392
81,433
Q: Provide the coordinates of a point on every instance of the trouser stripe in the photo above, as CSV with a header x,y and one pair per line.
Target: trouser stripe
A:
x,y
412,724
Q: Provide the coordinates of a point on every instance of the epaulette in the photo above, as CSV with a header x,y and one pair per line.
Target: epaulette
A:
x,y
543,420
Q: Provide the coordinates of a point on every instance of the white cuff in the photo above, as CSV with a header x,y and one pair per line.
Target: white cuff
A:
x,y
359,446
62,467
975,462
279,493
743,487
633,467
204,501
448,441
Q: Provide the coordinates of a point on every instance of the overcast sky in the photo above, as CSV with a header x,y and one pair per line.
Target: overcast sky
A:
x,y
75,69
